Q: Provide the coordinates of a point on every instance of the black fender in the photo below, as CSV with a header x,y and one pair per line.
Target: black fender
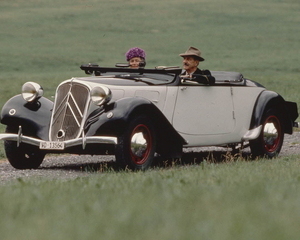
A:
x,y
33,117
113,119
268,99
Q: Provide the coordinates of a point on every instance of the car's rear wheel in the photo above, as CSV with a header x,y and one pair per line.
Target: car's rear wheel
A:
x,y
23,156
270,140
137,144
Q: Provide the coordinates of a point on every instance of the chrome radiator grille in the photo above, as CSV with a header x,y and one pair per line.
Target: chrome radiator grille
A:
x,y
70,105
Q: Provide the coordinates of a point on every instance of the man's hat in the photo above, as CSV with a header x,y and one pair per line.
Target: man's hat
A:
x,y
193,52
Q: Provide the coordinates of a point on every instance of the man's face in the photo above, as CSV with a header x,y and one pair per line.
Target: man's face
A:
x,y
190,64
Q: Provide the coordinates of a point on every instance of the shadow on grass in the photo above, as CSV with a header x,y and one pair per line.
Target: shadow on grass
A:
x,y
188,158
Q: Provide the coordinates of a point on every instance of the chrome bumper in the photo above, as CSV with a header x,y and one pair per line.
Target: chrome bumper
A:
x,y
69,143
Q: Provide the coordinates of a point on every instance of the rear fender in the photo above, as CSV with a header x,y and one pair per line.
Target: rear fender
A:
x,y
33,117
267,100
114,118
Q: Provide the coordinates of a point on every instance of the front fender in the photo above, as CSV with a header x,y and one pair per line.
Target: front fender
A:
x,y
267,100
114,118
33,117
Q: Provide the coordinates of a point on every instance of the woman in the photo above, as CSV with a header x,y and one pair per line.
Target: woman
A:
x,y
136,57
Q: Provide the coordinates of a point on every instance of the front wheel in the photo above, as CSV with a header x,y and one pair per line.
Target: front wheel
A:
x,y
137,144
270,140
23,156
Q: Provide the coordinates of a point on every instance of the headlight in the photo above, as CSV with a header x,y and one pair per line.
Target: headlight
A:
x,y
100,95
31,91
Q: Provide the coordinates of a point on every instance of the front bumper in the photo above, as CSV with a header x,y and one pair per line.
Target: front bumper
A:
x,y
19,138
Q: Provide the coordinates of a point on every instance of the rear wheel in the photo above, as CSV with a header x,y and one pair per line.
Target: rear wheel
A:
x,y
23,156
137,144
270,140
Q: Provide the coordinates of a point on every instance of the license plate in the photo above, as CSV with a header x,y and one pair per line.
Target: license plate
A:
x,y
52,145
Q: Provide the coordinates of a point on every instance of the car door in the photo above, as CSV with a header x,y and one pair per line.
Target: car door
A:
x,y
204,110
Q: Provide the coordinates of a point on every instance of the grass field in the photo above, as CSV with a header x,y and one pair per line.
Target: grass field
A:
x,y
46,41
233,200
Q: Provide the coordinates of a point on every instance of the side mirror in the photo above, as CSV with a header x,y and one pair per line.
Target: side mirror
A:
x,y
88,71
142,64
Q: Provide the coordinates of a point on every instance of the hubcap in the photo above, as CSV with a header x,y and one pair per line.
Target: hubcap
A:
x,y
140,144
271,133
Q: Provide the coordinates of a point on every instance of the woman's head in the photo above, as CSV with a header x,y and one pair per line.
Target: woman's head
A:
x,y
135,56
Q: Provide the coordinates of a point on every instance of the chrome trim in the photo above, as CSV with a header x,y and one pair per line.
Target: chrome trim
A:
x,y
252,134
138,144
76,104
83,140
73,113
270,133
32,91
68,143
60,134
19,136
60,108
12,112
72,100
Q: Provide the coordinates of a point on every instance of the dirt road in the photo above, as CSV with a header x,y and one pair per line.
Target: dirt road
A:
x,y
73,166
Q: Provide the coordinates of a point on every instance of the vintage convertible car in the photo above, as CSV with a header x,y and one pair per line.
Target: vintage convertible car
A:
x,y
137,114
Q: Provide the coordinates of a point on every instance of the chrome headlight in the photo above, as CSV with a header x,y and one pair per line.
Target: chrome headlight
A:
x,y
100,95
32,91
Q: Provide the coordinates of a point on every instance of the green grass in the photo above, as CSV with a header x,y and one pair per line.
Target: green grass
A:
x,y
232,200
47,41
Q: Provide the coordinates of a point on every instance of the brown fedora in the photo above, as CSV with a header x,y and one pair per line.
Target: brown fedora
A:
x,y
194,52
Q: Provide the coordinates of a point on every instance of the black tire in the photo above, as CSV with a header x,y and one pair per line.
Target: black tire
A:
x,y
136,155
270,140
23,156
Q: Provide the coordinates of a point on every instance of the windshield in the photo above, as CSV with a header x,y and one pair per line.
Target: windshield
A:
x,y
149,78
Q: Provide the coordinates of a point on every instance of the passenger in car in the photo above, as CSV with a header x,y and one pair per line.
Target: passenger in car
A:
x,y
136,57
191,59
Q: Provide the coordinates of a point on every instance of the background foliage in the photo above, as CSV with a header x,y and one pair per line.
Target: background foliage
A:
x,y
47,40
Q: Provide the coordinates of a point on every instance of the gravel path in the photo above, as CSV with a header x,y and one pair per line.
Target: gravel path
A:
x,y
73,166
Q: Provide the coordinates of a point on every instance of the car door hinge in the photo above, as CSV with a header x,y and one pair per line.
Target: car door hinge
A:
x,y
231,91
233,116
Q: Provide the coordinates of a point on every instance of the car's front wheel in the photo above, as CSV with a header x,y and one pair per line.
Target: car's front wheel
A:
x,y
137,144
270,140
23,156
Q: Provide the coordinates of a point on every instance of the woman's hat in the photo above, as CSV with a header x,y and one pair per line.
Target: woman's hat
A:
x,y
193,52
135,52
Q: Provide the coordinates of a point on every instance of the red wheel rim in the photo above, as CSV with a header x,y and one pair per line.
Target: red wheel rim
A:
x,y
272,133
140,144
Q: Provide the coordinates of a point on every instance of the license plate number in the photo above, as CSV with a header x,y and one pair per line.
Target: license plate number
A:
x,y
52,145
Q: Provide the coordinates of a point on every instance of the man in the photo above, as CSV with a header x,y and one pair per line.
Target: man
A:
x,y
191,59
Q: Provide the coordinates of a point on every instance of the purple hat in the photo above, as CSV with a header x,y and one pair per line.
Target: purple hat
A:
x,y
135,52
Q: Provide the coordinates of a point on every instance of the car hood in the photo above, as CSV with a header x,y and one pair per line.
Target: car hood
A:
x,y
122,88
113,81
